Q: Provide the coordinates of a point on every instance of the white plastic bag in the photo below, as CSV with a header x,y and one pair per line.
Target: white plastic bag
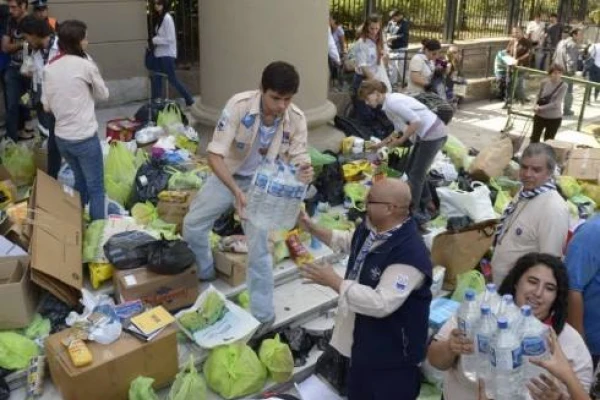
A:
x,y
104,332
148,134
476,204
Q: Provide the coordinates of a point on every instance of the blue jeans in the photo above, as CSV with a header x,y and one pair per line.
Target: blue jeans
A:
x,y
85,159
16,85
166,65
212,201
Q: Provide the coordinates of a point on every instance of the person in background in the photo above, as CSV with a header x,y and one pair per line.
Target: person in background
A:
x,y
165,51
536,33
519,48
384,296
548,107
333,58
44,44
415,122
567,57
397,36
255,126
337,31
540,281
4,57
40,11
553,36
71,83
583,265
594,68
501,74
537,219
18,124
422,67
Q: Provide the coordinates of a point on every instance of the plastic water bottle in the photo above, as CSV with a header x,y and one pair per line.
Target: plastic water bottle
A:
x,y
506,363
257,195
289,192
485,333
468,317
534,343
509,310
490,297
274,206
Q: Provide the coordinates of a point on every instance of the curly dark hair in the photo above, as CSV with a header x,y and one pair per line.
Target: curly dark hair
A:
x,y
559,308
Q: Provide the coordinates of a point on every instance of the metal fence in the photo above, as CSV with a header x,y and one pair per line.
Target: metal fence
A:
x,y
185,13
451,20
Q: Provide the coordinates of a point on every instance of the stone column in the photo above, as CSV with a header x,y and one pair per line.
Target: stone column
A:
x,y
239,38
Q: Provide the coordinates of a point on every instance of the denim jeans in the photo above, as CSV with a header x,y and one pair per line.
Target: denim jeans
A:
x,y
85,159
16,85
166,65
568,101
212,201
424,153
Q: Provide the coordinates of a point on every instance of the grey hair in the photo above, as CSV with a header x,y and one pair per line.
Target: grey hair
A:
x,y
535,149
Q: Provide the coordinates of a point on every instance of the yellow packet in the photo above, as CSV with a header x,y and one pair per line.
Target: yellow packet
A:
x,y
79,353
99,273
298,252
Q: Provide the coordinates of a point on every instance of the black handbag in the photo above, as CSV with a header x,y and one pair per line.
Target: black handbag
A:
x,y
150,60
542,101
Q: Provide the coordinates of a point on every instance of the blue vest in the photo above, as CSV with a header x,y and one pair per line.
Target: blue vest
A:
x,y
400,339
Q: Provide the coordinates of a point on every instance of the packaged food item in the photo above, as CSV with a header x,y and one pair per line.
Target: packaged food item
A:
x,y
35,377
298,252
79,352
173,196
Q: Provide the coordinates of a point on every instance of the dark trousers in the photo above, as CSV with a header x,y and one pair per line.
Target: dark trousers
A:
x,y
424,153
547,126
384,384
48,121
595,77
166,65
16,85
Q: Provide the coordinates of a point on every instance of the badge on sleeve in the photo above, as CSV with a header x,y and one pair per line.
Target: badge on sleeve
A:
x,y
401,283
223,121
248,120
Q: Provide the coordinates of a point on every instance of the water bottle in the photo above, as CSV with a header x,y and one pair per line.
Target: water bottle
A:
x,y
485,333
534,343
489,297
257,195
274,206
506,363
509,310
468,316
289,193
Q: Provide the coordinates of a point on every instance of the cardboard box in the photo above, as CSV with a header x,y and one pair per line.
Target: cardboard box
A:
x,y
40,159
231,267
584,164
114,366
561,149
56,238
18,295
174,212
173,292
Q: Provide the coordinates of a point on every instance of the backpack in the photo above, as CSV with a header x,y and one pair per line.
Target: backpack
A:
x,y
330,183
437,105
351,127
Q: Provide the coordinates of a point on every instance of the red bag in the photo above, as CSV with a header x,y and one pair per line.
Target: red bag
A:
x,y
122,129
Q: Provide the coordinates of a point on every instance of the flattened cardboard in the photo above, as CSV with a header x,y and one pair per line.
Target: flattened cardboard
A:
x,y
231,267
18,295
561,149
114,366
584,164
173,292
56,239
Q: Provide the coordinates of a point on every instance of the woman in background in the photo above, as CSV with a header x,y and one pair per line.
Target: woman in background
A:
x,y
548,107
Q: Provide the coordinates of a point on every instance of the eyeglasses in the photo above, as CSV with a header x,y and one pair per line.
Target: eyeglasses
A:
x,y
378,202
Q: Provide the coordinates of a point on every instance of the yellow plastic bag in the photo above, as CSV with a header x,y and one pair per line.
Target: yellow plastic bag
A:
x,y
278,359
99,273
569,186
456,150
592,191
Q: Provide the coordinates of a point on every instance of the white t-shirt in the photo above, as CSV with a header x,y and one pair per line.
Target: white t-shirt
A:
x,y
595,52
536,29
68,90
365,51
402,110
458,387
419,63
38,62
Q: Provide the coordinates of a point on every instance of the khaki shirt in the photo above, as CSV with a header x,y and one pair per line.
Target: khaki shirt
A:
x,y
237,129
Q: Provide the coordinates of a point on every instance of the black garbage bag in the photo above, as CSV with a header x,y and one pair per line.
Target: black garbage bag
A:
x,y
150,180
4,390
169,257
300,342
330,183
128,250
226,224
333,367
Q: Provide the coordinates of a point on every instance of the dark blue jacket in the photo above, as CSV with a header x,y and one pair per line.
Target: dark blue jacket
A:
x,y
402,41
400,339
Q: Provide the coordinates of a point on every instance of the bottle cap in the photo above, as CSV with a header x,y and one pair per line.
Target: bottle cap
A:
x,y
485,309
491,287
526,310
502,323
470,295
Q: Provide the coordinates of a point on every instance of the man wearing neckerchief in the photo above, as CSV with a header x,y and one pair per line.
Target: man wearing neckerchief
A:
x,y
537,219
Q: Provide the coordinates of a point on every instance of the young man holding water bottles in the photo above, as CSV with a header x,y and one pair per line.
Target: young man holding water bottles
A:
x,y
254,126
